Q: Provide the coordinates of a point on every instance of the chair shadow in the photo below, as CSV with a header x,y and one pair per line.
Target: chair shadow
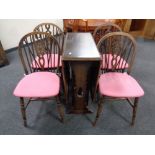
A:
x,y
45,110
115,111
88,118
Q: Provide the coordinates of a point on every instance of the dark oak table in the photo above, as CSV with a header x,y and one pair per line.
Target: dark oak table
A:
x,y
81,62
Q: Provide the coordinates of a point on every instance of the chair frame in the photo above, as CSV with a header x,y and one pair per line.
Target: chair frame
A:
x,y
107,27
120,34
134,103
47,26
111,70
20,51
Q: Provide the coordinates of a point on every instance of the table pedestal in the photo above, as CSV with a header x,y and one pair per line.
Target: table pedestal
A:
x,y
80,86
82,74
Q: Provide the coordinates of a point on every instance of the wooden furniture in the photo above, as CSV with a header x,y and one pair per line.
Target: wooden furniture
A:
x,y
58,34
81,62
118,85
3,59
38,84
88,25
52,29
144,28
107,59
103,29
149,29
71,25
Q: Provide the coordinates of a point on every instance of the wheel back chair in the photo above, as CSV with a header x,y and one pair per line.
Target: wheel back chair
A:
x,y
104,29
39,84
53,30
118,84
101,31
58,34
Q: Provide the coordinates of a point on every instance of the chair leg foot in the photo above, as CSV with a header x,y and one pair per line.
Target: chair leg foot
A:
x,y
134,111
23,111
60,110
99,110
94,123
25,123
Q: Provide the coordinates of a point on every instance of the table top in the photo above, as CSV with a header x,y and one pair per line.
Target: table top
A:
x,y
80,47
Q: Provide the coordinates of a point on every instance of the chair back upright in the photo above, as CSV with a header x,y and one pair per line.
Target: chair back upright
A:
x,y
53,30
118,51
39,51
103,29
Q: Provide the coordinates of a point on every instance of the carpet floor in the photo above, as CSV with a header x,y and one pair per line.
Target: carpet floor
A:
x,y
42,116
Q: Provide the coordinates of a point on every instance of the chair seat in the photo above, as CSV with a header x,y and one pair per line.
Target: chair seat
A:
x,y
38,84
119,85
108,61
50,62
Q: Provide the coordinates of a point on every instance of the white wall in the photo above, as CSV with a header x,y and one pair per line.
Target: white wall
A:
x,y
12,30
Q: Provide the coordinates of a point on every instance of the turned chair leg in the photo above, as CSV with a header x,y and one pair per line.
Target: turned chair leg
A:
x,y
64,86
60,109
99,110
96,95
63,91
134,111
23,111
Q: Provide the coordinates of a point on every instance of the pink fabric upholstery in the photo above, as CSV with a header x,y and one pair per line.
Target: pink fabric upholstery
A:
x,y
38,84
47,63
119,85
107,62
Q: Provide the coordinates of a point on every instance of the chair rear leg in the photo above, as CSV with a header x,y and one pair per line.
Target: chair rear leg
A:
x,y
62,89
64,86
23,111
99,110
96,94
134,110
60,109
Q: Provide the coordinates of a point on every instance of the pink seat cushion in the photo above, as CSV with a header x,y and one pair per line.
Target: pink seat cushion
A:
x,y
38,84
119,85
107,61
48,61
